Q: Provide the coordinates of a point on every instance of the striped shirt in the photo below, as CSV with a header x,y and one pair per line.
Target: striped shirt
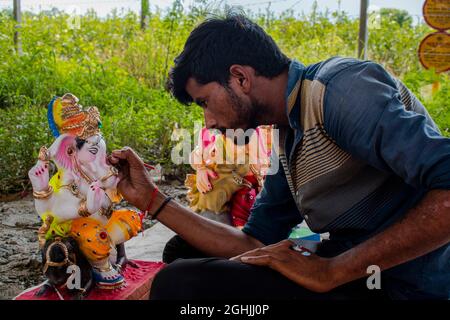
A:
x,y
359,152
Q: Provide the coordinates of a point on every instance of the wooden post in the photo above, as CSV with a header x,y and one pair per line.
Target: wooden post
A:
x,y
435,87
362,39
144,13
18,17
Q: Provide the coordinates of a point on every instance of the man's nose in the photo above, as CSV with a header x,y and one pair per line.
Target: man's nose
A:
x,y
210,123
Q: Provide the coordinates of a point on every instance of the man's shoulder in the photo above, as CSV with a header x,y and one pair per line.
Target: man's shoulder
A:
x,y
326,70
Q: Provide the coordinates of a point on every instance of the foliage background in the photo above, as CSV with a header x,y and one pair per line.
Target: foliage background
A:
x,y
113,64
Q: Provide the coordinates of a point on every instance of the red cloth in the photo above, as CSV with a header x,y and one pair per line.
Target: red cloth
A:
x,y
138,282
242,201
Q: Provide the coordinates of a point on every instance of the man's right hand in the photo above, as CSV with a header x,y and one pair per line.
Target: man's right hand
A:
x,y
211,237
135,184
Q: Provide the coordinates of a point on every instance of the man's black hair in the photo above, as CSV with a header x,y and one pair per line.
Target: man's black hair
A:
x,y
215,45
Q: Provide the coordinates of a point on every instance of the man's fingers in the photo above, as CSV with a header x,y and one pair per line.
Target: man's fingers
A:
x,y
264,250
128,154
285,243
273,249
119,154
238,257
254,252
282,244
264,260
112,160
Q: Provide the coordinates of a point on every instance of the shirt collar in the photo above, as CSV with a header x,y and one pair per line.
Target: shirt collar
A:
x,y
295,74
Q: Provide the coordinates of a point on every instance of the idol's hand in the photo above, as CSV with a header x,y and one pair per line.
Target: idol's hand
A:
x,y
203,179
135,183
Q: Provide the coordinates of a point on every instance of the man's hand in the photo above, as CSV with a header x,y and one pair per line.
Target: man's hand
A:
x,y
310,271
423,229
135,184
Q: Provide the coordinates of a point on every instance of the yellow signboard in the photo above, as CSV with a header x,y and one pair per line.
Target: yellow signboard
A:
x,y
437,14
434,51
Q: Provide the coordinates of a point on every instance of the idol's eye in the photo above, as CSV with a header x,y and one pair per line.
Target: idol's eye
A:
x,y
93,150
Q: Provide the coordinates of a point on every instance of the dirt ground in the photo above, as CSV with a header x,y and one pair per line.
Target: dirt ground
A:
x,y
20,261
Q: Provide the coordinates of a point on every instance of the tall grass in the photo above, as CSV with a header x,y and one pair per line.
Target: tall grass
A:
x,y
113,64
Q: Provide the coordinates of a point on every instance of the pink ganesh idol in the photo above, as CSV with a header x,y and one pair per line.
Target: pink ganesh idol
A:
x,y
79,200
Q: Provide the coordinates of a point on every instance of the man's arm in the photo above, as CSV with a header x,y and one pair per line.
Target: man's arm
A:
x,y
422,230
272,217
210,237
371,122
365,116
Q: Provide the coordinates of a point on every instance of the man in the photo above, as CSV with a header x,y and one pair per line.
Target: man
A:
x,y
360,158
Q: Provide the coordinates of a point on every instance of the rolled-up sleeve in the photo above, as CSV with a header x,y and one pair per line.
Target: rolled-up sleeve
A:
x,y
364,114
274,212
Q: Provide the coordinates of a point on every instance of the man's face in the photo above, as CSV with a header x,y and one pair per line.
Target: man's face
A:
x,y
224,107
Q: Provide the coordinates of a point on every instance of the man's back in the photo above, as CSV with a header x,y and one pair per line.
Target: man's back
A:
x,y
359,153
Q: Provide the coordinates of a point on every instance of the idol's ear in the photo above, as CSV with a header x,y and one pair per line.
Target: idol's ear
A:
x,y
62,150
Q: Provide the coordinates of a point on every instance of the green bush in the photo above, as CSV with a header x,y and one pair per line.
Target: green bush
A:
x,y
112,64
21,136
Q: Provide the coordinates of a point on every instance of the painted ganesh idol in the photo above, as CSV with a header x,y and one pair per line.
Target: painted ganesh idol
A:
x,y
78,200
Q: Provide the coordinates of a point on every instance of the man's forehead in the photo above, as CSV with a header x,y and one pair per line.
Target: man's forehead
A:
x,y
197,90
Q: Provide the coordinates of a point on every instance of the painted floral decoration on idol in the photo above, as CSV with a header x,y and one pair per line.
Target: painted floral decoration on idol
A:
x,y
79,200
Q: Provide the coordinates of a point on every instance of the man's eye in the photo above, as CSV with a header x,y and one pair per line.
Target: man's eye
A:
x,y
93,150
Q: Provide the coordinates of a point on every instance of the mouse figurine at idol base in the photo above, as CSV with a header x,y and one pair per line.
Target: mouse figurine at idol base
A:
x,y
79,200
60,258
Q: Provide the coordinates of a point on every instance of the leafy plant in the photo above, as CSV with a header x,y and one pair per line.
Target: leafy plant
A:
x,y
113,64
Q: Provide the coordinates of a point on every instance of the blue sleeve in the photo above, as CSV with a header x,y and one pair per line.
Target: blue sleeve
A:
x,y
274,212
364,114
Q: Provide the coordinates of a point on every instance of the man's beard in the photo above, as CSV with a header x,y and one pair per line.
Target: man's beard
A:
x,y
248,115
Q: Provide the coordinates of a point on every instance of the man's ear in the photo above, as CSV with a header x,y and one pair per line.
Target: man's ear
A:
x,y
241,76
